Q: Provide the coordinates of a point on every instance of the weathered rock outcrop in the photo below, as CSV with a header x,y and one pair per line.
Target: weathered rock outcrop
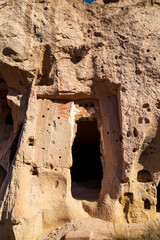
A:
x,y
79,115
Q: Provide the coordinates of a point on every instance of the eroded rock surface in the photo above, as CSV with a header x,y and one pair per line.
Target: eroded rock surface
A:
x,y
79,115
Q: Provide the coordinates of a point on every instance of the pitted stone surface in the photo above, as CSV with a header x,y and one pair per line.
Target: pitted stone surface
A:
x,y
66,61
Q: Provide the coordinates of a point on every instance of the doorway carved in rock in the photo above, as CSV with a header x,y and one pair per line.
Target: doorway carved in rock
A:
x,y
86,170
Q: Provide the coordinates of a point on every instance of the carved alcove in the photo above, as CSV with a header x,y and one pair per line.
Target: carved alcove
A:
x,y
82,135
87,170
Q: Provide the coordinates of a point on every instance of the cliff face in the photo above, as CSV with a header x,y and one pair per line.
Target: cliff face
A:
x,y
79,114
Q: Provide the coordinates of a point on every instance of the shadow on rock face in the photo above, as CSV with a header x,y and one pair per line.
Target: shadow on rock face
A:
x,y
151,155
110,1
6,230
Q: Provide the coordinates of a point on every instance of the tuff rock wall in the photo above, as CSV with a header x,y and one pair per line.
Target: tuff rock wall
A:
x,y
55,56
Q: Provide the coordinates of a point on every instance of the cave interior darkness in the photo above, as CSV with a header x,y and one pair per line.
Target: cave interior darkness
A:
x,y
158,198
86,171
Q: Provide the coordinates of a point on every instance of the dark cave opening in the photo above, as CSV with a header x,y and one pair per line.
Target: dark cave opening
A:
x,y
86,171
144,176
158,198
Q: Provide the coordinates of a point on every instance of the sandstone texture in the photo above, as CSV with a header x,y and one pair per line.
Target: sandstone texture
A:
x,y
82,76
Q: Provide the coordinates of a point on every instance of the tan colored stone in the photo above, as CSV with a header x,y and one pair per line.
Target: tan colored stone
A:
x,y
79,235
67,61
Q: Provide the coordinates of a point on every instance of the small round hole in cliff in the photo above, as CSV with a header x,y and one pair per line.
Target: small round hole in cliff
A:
x,y
145,105
135,132
86,171
147,121
144,176
138,72
31,141
140,120
34,171
135,150
3,175
124,89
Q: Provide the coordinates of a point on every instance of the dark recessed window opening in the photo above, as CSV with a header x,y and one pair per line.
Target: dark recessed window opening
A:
x,y
86,171
147,204
144,176
158,198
